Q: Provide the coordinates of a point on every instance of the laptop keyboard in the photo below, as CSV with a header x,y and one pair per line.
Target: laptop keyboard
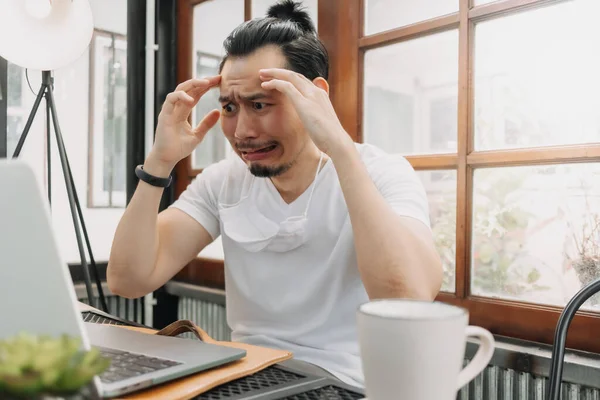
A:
x,y
127,365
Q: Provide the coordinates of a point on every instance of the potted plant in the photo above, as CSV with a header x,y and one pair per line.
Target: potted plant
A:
x,y
45,367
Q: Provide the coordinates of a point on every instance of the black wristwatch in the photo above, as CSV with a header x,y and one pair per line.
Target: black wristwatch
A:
x,y
151,179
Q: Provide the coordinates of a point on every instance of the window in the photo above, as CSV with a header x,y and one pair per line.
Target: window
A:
x,y
497,110
536,232
545,97
440,187
108,125
383,15
411,91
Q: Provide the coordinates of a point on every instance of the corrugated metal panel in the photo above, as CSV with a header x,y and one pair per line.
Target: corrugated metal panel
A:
x,y
496,383
210,317
122,307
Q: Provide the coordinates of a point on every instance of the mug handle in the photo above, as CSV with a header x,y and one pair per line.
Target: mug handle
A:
x,y
482,357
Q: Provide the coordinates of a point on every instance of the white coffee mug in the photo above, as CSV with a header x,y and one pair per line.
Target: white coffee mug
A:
x,y
415,349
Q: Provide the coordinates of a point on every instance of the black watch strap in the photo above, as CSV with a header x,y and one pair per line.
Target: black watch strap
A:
x,y
151,179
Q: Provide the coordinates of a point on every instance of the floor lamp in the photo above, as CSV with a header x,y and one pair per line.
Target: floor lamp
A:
x,y
50,34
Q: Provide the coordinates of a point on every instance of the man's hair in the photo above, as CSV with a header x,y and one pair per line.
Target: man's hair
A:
x,y
290,28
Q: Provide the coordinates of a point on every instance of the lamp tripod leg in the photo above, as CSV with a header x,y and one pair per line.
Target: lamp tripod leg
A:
x,y
70,192
48,151
87,242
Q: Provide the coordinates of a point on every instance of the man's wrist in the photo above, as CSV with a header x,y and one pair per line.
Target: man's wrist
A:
x,y
341,148
156,168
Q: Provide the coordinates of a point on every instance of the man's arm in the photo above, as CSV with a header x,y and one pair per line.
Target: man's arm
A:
x,y
396,254
150,248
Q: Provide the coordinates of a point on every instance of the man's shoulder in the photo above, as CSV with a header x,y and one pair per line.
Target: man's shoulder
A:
x,y
378,160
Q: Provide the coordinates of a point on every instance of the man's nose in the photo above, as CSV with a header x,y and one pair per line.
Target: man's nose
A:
x,y
244,128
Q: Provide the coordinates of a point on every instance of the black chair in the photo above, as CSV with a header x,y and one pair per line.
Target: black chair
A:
x,y
560,337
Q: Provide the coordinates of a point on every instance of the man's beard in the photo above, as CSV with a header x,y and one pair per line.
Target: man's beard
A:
x,y
263,171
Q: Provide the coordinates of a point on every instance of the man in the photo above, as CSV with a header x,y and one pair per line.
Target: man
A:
x,y
312,224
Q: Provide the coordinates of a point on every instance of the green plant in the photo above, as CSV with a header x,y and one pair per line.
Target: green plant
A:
x,y
586,263
500,264
444,233
34,365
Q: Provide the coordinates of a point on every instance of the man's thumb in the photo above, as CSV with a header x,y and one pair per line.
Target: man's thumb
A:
x,y
207,122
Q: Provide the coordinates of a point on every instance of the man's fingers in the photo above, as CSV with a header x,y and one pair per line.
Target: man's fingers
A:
x,y
286,88
177,100
205,83
207,122
298,80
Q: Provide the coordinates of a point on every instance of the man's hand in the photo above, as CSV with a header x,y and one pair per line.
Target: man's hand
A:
x,y
312,105
175,137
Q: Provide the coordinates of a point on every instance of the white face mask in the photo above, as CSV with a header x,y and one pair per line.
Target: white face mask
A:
x,y
249,228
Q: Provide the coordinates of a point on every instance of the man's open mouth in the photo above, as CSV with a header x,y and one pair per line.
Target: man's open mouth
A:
x,y
258,151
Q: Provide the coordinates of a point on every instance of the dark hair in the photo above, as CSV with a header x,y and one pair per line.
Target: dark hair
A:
x,y
290,28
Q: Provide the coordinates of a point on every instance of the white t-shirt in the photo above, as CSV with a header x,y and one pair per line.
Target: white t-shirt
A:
x,y
303,300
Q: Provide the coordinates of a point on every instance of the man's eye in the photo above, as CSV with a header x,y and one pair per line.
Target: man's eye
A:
x,y
259,106
229,108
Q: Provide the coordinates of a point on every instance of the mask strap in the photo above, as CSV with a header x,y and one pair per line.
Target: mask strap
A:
x,y
314,184
243,196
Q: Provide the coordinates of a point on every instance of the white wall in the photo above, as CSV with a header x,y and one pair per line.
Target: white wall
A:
x,y
72,102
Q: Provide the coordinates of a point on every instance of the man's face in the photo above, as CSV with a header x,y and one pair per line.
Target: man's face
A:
x,y
262,126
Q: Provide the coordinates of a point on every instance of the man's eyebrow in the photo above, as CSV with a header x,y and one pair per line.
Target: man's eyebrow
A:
x,y
224,99
254,96
248,98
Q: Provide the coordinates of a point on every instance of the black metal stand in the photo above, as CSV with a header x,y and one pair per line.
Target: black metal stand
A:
x,y
46,91
560,337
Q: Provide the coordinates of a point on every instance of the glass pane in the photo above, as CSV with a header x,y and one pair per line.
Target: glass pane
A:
x,y
260,8
441,193
410,95
536,232
16,112
213,22
538,87
109,120
383,15
115,117
479,2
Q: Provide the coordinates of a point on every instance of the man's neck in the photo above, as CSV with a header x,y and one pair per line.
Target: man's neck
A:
x,y
298,178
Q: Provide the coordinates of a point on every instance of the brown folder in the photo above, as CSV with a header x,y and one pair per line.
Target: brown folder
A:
x,y
256,359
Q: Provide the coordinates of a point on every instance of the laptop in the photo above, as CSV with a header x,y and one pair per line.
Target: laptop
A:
x,y
37,296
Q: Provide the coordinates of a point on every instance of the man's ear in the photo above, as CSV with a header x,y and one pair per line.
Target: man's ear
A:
x,y
321,83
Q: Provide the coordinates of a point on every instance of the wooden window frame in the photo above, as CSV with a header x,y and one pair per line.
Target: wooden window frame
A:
x,y
515,319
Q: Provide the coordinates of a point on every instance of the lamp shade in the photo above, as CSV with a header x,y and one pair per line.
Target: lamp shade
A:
x,y
46,42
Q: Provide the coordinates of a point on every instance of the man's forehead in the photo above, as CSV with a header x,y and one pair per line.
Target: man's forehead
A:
x,y
240,75
243,88
247,67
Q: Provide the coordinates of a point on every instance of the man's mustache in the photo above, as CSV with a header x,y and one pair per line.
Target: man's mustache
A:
x,y
251,145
